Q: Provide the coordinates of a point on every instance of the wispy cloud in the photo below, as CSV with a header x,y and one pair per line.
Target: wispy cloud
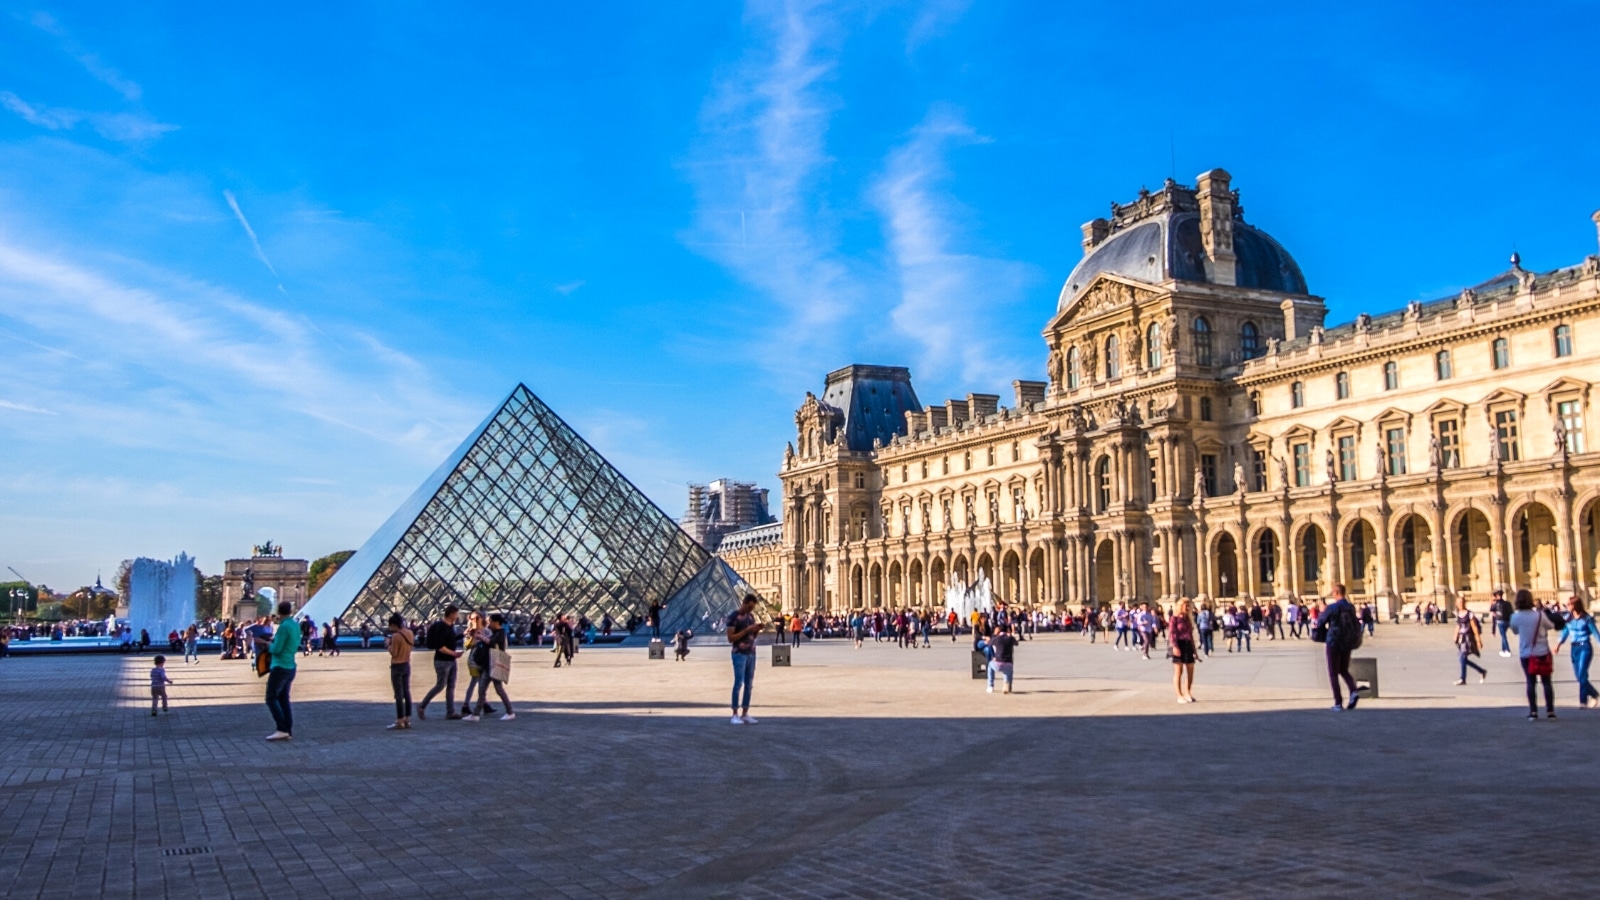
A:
x,y
120,127
762,157
23,407
567,289
90,61
946,295
233,203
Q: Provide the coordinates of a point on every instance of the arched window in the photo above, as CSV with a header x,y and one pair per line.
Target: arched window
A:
x,y
1391,375
1563,340
1202,341
1441,365
1267,548
1341,385
1113,358
1152,346
1501,353
1249,341
1102,476
1255,403
1297,394
1072,368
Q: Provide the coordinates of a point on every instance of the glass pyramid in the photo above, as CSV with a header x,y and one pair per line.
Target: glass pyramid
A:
x,y
527,519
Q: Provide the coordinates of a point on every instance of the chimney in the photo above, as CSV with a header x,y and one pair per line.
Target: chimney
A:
x,y
1028,393
1216,226
1097,231
958,411
916,422
937,418
983,405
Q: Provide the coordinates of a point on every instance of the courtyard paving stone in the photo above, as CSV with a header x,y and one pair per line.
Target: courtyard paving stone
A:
x,y
877,772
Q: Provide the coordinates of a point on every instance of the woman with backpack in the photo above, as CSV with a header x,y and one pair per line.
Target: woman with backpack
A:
x,y
1580,628
1469,643
1338,628
1530,626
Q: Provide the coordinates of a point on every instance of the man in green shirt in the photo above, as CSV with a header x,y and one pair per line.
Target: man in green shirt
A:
x,y
285,643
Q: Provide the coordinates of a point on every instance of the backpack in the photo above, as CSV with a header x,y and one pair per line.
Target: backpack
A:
x,y
1349,629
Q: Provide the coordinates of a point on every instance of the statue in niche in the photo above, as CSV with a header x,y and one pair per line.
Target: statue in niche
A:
x,y
1494,444
1333,471
1561,437
1466,299
1055,369
1272,346
1435,460
1316,335
1363,323
249,582
1380,460
1199,484
1283,474
1135,345
994,508
927,519
971,516
1239,486
1091,360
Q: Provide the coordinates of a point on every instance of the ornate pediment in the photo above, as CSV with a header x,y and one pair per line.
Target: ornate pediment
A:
x,y
1106,294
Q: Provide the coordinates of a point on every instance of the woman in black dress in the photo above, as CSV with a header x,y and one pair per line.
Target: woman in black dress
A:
x,y
1181,647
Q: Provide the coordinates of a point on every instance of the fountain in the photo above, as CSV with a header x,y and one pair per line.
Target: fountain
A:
x,y
161,596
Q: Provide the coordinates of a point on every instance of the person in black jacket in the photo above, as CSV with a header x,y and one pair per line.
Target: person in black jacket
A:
x,y
1340,629
441,640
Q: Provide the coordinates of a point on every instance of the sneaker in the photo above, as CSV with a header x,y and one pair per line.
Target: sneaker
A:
x,y
1008,689
1505,653
393,726
991,689
1482,678
1533,717
749,719
152,712
453,716
469,717
1549,715
508,717
735,720
1337,707
422,712
278,736
1460,682
1355,697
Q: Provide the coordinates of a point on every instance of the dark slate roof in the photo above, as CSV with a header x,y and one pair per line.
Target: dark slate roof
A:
x,y
874,401
1169,246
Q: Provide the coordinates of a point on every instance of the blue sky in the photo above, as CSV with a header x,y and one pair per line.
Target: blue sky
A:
x,y
261,269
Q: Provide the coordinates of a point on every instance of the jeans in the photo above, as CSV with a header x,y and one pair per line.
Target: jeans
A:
x,y
1205,640
278,681
1581,656
1339,667
481,683
744,672
1122,635
1003,668
400,680
190,648
1505,645
444,672
1241,639
1466,660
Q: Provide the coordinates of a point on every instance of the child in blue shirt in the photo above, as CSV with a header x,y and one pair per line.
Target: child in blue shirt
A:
x,y
158,685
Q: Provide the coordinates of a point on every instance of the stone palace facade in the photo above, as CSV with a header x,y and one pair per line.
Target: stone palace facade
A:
x,y
1203,433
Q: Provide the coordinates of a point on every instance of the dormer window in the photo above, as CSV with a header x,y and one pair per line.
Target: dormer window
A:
x,y
1113,358
1152,346
1249,341
1202,341
1073,370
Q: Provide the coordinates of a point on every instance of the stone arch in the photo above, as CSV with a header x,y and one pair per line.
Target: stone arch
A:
x,y
1360,563
875,585
1533,549
1469,551
1311,560
1011,577
896,585
916,588
1036,577
985,566
1266,551
1416,570
858,586
1586,532
1225,564
1105,573
938,577
961,569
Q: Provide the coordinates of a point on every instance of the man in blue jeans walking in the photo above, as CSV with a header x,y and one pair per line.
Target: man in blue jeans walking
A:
x,y
742,631
285,642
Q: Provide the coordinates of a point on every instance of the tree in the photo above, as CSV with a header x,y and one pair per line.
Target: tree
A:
x,y
124,578
323,569
207,596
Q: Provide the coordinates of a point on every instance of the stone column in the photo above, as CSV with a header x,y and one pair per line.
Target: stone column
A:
x,y
1566,572
1499,561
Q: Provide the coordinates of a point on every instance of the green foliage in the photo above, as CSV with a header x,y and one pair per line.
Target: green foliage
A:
x,y
323,569
208,596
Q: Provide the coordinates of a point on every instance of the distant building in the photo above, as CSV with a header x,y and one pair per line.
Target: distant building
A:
x,y
757,554
723,507
273,578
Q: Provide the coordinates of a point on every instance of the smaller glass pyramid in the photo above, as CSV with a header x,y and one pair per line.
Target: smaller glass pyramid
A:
x,y
526,518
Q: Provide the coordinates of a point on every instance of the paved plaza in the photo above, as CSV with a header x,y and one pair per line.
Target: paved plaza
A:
x,y
877,772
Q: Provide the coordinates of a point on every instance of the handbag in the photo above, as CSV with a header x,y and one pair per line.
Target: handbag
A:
x,y
263,664
499,665
1540,665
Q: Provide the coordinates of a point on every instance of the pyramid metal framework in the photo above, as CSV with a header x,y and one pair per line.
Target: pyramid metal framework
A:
x,y
526,518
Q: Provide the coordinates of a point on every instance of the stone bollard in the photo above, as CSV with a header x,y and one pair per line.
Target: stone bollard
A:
x,y
780,654
1364,669
658,650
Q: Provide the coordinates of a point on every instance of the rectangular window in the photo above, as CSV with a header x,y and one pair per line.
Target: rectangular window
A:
x,y
1205,409
1449,443
1501,353
1341,385
1208,471
1152,494
1258,470
991,456
1347,458
1571,414
1391,376
1395,438
1302,464
1505,429
1297,394
1563,340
